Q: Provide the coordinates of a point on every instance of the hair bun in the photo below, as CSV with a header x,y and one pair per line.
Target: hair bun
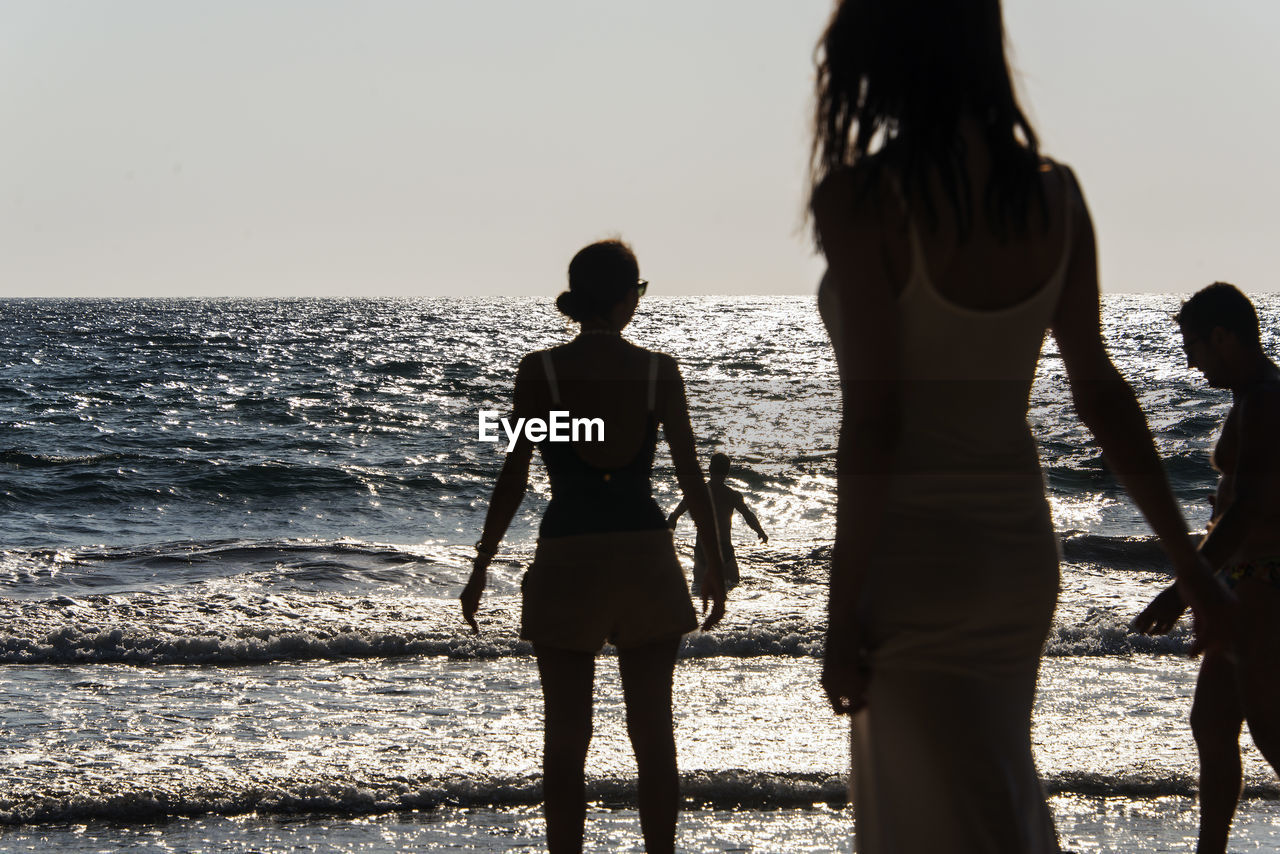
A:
x,y
570,306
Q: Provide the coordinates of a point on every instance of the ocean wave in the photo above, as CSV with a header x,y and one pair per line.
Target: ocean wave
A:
x,y
407,368
266,410
123,645
1068,469
102,630
49,481
1133,554
141,800
270,478
1191,470
343,566
136,800
1108,552
1107,633
24,459
274,629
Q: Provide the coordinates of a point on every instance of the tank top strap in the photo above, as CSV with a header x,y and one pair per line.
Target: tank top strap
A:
x,y
653,381
550,371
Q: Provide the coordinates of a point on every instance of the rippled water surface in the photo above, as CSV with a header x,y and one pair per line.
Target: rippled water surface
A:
x,y
231,534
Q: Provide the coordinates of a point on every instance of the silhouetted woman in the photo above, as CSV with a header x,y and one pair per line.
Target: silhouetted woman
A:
x,y
605,566
952,246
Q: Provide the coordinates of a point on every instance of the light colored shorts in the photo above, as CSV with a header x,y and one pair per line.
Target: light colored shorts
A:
x,y
624,587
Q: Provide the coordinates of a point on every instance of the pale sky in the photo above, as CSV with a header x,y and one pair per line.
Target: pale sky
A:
x,y
456,147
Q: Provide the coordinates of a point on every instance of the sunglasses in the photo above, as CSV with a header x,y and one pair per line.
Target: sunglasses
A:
x,y
641,287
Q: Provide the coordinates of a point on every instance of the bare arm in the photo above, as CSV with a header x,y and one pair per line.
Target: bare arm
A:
x,y
1107,406
867,352
752,522
673,412
508,492
677,513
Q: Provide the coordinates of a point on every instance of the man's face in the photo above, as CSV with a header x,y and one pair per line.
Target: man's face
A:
x,y
1201,349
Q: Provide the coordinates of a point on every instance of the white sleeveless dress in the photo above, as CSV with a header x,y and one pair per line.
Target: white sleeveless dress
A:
x,y
962,586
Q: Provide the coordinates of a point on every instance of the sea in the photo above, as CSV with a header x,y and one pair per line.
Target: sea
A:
x,y
233,533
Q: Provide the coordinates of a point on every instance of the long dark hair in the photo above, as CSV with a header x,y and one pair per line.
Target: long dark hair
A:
x,y
901,75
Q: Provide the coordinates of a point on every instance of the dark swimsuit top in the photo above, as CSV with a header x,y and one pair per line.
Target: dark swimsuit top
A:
x,y
586,499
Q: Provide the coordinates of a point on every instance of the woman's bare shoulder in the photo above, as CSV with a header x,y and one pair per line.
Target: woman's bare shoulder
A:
x,y
535,357
667,365
851,191
556,352
1058,180
530,367
643,360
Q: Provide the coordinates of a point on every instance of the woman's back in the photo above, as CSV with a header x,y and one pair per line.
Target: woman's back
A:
x,y
984,267
971,308
604,377
601,482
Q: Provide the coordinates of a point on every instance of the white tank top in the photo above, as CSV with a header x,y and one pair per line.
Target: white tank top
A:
x,y
966,380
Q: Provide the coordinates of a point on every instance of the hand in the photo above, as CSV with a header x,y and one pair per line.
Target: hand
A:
x,y
1159,617
1213,606
471,593
764,538
844,678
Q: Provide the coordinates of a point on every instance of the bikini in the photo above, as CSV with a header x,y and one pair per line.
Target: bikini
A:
x,y
1262,568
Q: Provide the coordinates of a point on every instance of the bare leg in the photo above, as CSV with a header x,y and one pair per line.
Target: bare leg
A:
x,y
1258,654
646,686
1216,717
567,679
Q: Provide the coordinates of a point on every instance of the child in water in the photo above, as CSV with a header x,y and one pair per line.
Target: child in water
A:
x,y
725,499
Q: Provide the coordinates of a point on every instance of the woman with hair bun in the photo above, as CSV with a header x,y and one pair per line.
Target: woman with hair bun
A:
x,y
605,568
